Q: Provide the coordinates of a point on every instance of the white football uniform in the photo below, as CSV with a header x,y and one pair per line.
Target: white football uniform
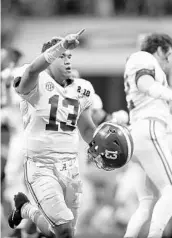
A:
x,y
50,114
141,105
149,118
170,129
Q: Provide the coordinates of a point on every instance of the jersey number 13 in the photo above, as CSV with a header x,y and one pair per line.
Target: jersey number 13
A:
x,y
70,124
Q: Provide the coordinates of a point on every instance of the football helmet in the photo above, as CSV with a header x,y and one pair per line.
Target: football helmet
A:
x,y
111,147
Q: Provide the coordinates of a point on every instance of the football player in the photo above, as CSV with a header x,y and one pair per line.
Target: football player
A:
x,y
53,107
53,104
147,95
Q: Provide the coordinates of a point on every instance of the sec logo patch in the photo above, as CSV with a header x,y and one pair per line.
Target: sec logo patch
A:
x,y
49,86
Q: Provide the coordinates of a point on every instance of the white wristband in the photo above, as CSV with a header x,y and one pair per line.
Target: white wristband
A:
x,y
54,52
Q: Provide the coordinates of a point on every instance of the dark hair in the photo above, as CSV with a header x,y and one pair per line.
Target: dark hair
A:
x,y
17,55
48,44
151,43
14,54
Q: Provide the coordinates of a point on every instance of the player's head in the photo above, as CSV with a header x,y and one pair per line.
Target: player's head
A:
x,y
160,45
8,56
61,68
111,147
16,55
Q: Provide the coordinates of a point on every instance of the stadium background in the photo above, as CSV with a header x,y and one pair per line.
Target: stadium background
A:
x,y
114,29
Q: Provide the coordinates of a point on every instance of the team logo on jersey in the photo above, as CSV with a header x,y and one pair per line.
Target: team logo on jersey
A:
x,y
49,86
111,154
83,92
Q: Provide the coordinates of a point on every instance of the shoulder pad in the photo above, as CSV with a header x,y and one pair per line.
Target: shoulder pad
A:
x,y
139,60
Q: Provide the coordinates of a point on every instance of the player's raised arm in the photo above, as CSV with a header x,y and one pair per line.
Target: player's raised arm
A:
x,y
29,79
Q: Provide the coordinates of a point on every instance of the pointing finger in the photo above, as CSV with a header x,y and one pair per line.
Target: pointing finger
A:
x,y
80,32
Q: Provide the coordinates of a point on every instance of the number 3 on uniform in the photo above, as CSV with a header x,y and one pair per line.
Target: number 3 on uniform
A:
x,y
52,126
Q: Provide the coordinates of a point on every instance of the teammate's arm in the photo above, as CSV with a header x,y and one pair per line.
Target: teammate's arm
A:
x,y
29,79
148,85
86,125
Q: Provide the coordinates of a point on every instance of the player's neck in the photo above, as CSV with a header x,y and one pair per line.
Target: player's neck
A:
x,y
56,79
64,82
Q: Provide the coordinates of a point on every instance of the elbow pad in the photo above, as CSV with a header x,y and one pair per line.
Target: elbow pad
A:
x,y
159,91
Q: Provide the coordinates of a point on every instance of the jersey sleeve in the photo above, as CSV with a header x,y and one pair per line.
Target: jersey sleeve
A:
x,y
87,91
139,64
96,102
17,75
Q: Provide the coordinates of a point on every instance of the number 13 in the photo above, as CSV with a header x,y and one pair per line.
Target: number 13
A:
x,y
52,126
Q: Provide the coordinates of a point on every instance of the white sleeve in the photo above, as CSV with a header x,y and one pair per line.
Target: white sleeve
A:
x,y
17,78
143,64
88,96
140,64
96,102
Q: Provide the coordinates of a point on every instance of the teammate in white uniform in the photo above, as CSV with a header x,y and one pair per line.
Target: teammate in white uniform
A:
x,y
53,107
147,95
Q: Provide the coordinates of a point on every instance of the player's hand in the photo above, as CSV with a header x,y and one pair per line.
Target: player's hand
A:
x,y
71,41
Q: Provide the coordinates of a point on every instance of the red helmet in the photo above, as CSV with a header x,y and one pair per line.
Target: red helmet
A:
x,y
111,147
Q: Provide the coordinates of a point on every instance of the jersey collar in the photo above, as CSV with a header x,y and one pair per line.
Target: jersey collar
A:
x,y
67,82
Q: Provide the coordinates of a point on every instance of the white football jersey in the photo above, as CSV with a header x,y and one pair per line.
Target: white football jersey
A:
x,y
140,104
50,113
